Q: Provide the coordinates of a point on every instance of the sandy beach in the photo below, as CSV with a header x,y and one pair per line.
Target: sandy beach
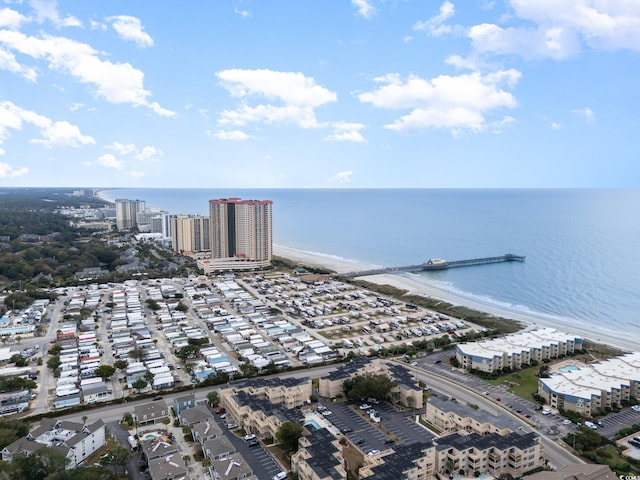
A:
x,y
420,286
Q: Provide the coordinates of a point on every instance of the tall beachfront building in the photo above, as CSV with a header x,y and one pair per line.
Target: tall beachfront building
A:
x,y
190,234
126,213
241,233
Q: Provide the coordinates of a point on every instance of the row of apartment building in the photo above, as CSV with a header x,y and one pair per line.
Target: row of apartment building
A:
x,y
515,350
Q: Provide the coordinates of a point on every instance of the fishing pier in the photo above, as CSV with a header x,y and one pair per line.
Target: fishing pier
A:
x,y
436,264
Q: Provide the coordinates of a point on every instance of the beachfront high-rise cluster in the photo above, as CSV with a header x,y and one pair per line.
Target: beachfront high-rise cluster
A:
x,y
241,234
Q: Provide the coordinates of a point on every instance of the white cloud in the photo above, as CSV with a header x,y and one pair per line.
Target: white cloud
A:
x,y
97,25
455,103
462,63
48,10
435,26
585,113
8,62
7,171
55,134
554,42
343,177
346,132
144,155
110,161
130,28
364,8
11,19
63,134
296,94
559,29
290,87
556,126
115,82
121,148
303,117
233,135
242,13
149,154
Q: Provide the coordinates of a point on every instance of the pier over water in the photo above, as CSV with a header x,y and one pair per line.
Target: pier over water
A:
x,y
437,264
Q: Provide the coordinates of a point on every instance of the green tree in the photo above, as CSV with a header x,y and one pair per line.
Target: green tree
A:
x,y
137,354
18,359
139,384
187,352
121,364
288,435
248,370
369,385
105,371
54,362
181,307
117,456
213,398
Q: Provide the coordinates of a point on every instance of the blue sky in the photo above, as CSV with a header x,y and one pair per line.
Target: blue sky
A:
x,y
317,93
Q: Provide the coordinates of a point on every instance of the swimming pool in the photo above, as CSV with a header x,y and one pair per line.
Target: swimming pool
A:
x,y
313,423
569,368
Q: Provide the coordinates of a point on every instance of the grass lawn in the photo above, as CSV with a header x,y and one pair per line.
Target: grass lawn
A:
x,y
523,382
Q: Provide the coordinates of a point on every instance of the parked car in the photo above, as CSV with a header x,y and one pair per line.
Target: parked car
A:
x,y
220,410
249,436
253,443
157,397
232,426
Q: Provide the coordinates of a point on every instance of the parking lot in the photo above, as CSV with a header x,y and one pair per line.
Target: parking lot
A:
x,y
368,435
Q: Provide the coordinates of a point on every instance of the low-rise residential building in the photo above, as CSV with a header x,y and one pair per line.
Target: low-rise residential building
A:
x,y
448,416
319,457
591,389
182,403
76,441
514,351
171,467
411,462
257,415
218,449
195,415
151,412
408,391
234,467
205,431
492,453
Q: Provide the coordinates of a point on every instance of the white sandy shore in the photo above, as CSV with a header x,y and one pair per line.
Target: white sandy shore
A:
x,y
420,286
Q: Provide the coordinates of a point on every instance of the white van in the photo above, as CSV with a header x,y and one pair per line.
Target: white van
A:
x,y
546,411
591,425
279,476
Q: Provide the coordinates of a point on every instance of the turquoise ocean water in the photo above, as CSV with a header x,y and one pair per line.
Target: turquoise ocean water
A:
x,y
582,246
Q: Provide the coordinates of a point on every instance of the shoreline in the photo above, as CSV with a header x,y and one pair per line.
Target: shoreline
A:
x,y
417,285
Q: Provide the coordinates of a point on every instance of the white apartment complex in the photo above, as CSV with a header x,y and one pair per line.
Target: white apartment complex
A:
x,y
593,388
514,351
241,234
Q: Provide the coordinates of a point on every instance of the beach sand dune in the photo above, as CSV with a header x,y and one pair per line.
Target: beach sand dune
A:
x,y
418,285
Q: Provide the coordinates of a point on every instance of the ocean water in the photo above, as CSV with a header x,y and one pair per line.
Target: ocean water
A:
x,y
583,258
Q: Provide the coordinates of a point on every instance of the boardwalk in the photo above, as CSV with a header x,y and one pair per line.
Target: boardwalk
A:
x,y
436,264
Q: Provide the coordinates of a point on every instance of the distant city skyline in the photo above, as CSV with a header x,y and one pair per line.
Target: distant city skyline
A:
x,y
317,94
